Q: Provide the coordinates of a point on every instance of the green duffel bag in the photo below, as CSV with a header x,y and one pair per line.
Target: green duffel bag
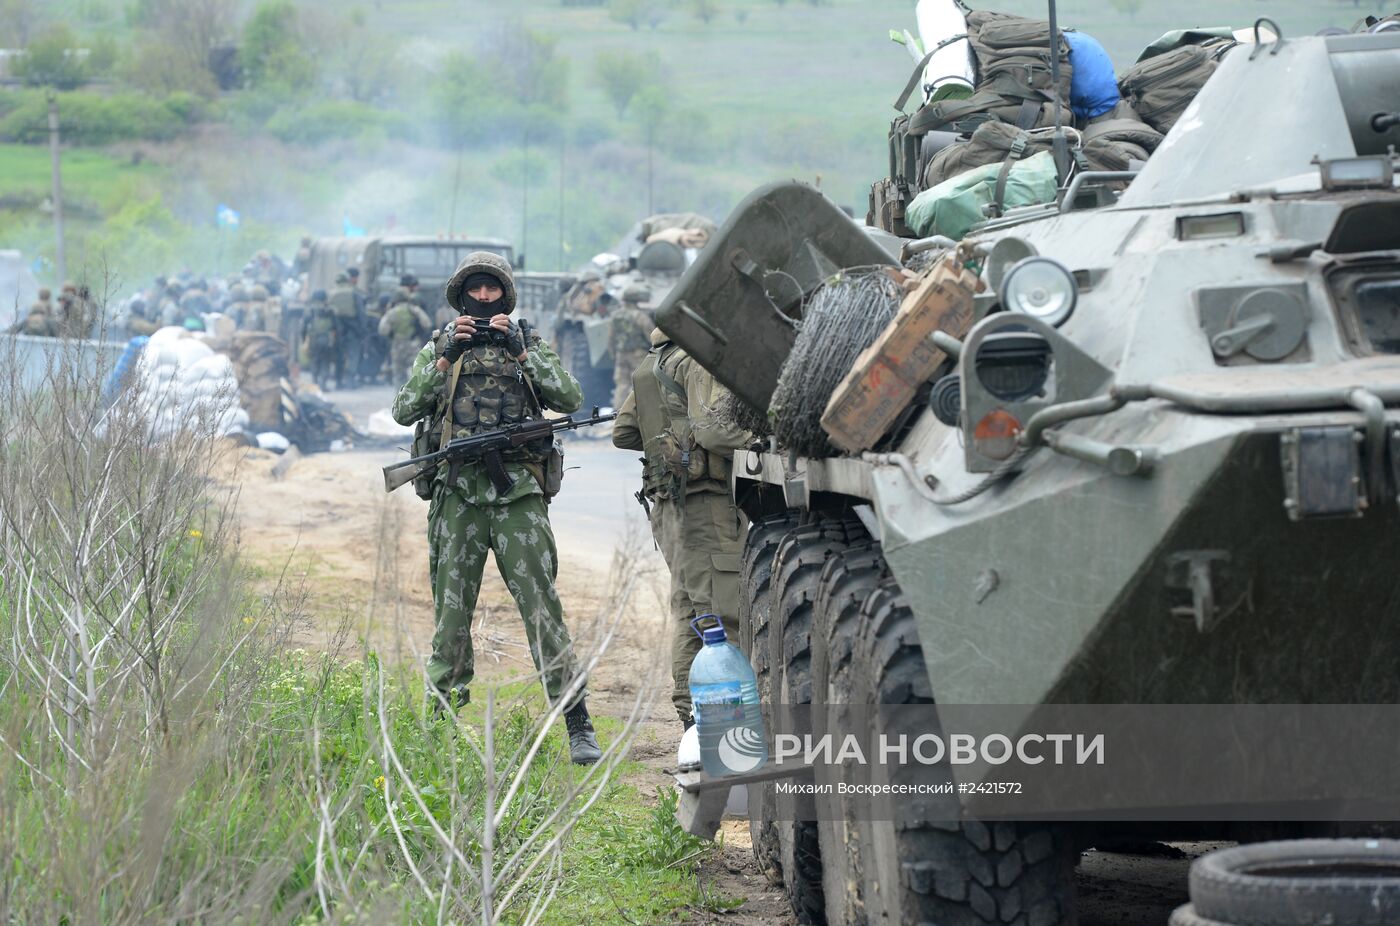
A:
x,y
954,206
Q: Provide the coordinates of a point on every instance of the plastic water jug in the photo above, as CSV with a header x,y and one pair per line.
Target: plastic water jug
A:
x,y
724,693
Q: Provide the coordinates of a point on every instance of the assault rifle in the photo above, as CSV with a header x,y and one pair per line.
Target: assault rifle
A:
x,y
487,447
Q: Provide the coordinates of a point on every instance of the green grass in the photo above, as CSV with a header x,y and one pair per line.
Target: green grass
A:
x,y
92,179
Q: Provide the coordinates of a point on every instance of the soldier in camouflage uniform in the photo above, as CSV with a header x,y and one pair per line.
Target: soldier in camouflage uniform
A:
x,y
463,383
669,416
629,338
40,322
347,330
319,336
405,325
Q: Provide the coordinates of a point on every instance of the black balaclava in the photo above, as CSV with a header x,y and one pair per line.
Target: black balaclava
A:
x,y
481,309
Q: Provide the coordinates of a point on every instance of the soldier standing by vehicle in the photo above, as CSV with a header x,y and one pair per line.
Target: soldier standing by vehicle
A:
x,y
405,325
347,331
465,382
629,338
375,353
319,335
669,416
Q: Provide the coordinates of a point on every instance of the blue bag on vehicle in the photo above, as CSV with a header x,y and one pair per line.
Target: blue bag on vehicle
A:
x,y
1093,88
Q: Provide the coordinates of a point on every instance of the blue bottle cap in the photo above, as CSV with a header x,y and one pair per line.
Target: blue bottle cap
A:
x,y
710,635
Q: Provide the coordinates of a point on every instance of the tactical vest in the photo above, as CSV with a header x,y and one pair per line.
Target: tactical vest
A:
x,y
342,302
492,390
402,324
322,329
673,464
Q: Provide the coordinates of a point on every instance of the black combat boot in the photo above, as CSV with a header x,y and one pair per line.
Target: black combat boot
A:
x,y
583,745
441,701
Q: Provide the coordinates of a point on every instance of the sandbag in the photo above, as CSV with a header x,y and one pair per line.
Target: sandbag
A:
x,y
954,206
1161,88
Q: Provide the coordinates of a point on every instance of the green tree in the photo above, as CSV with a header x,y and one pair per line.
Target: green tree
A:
x,y
18,21
623,75
529,68
704,10
172,50
628,12
274,55
53,59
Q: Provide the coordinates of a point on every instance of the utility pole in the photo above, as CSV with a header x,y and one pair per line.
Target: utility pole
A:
x,y
562,147
524,195
60,258
456,185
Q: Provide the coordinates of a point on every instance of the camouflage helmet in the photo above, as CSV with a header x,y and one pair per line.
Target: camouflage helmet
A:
x,y
636,293
319,295
482,262
408,279
258,293
45,294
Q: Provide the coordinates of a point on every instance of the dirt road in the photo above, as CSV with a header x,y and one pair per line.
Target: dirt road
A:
x,y
324,525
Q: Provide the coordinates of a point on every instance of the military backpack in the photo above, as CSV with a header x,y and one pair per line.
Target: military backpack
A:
x,y
1161,87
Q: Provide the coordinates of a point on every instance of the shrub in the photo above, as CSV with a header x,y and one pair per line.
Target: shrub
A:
x,y
330,120
90,119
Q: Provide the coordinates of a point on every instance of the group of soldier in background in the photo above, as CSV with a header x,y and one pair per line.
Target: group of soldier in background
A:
x,y
343,337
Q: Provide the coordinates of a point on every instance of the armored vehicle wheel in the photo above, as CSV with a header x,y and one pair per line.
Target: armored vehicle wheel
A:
x,y
920,862
797,569
846,581
755,594
1300,882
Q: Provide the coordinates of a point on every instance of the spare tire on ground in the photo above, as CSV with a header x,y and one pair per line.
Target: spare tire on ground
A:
x,y
1303,882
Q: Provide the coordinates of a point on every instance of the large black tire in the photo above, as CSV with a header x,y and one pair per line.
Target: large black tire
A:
x,y
797,570
755,596
921,863
1301,882
846,581
1185,915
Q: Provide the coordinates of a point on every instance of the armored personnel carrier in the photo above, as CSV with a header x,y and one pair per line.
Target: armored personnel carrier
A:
x,y
571,310
1157,462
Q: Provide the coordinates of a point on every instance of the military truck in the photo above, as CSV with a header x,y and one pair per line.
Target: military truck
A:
x,y
383,259
1159,466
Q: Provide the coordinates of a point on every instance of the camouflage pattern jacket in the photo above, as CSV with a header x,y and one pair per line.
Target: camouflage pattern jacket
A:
x,y
422,395
630,331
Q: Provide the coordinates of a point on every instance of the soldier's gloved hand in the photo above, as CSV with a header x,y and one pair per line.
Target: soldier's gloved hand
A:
x,y
515,338
462,331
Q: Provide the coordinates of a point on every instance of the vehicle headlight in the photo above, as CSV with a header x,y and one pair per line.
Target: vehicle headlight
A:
x,y
1041,288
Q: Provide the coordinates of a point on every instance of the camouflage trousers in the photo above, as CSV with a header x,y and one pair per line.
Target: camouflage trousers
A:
x,y
347,342
460,535
625,362
701,543
401,354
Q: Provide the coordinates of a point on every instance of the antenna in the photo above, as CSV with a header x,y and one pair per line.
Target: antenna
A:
x,y
1061,144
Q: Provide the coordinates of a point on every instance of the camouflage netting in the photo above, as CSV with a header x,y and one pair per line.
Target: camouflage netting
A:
x,y
840,320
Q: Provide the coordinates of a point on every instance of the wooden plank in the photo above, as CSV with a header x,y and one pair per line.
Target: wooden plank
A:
x,y
887,374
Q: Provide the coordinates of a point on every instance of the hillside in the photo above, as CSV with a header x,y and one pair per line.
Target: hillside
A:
x,y
760,91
